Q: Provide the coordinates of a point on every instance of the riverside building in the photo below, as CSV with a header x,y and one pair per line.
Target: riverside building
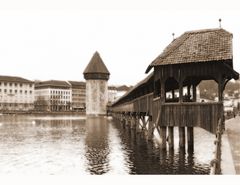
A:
x,y
78,101
16,94
53,96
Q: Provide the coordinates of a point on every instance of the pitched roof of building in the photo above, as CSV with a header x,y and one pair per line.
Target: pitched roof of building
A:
x,y
96,65
197,46
14,79
53,83
77,83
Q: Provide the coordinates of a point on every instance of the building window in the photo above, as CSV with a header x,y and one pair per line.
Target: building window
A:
x,y
20,85
25,92
5,84
16,91
30,85
5,90
10,84
10,90
15,84
30,92
20,91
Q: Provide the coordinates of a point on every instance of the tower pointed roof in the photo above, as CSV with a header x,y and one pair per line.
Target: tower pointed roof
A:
x,y
96,69
96,65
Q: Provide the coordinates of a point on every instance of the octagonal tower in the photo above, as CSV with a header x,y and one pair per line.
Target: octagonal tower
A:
x,y
96,75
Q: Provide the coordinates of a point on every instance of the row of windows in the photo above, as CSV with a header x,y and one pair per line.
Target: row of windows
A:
x,y
60,92
16,91
13,84
59,102
60,97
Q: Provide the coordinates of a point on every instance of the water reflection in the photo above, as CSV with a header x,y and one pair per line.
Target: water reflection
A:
x,y
96,141
75,145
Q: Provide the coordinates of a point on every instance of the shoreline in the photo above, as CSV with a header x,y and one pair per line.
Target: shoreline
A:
x,y
43,113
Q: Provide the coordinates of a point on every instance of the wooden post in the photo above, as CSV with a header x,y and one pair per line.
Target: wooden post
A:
x,y
170,137
180,91
163,137
181,137
173,94
163,92
194,93
132,122
150,128
190,138
220,89
137,124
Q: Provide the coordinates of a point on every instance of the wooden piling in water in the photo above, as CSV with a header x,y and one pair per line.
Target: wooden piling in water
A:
x,y
137,124
150,129
182,137
163,136
190,138
170,137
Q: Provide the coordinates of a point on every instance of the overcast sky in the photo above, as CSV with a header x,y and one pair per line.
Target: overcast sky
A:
x,y
55,39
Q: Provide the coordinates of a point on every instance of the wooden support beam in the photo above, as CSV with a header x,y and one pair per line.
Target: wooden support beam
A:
x,y
194,93
171,137
182,137
133,123
137,119
162,91
180,91
163,137
173,94
190,138
150,128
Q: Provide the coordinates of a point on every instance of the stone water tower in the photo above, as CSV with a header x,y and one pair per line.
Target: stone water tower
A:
x,y
96,75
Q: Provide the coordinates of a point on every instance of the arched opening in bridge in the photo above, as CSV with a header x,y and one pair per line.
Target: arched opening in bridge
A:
x,y
207,91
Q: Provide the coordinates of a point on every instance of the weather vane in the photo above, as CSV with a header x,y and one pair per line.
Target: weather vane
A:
x,y
173,34
220,20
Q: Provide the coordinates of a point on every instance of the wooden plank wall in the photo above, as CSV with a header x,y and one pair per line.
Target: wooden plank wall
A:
x,y
204,115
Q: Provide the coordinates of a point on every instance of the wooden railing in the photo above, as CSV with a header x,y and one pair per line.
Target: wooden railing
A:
x,y
191,114
140,104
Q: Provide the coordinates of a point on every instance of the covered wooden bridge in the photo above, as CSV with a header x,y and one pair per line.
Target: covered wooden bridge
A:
x,y
189,59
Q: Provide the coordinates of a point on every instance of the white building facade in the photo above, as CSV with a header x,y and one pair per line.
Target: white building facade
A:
x,y
78,101
53,96
16,94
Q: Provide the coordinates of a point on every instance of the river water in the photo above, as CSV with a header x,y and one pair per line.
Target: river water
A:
x,y
80,145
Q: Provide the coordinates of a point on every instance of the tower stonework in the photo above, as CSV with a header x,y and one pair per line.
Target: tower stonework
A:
x,y
96,75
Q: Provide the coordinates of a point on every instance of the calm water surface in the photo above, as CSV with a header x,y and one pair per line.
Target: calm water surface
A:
x,y
80,145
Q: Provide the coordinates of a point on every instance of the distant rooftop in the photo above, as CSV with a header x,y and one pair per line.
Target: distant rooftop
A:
x,y
77,83
14,79
197,46
52,83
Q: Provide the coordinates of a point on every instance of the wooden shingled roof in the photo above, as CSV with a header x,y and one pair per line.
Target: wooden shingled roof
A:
x,y
96,65
197,46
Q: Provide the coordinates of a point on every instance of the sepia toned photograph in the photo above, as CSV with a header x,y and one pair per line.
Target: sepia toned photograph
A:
x,y
103,92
